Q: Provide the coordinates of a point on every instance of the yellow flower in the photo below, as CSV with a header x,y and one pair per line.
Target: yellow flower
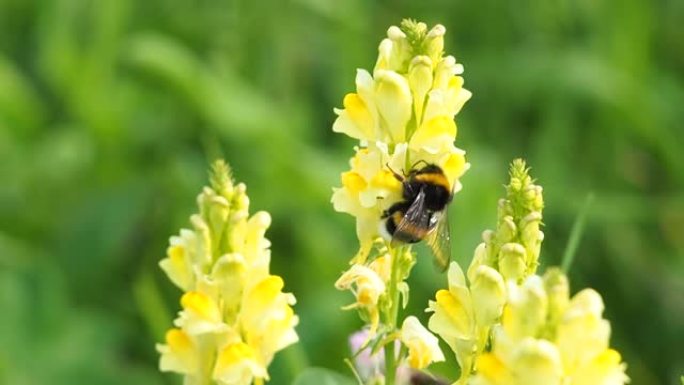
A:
x,y
423,347
463,315
401,114
238,363
529,362
235,316
201,314
179,354
367,286
546,339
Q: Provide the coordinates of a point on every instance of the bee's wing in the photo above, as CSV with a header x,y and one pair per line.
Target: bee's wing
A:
x,y
415,222
439,241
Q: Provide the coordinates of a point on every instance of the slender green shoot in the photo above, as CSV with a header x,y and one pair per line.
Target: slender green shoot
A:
x,y
576,234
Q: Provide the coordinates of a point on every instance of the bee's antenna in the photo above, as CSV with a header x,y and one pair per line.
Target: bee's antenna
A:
x,y
419,162
399,177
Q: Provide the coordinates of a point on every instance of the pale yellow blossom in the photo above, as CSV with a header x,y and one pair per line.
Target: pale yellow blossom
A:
x,y
423,347
367,287
234,315
401,114
546,339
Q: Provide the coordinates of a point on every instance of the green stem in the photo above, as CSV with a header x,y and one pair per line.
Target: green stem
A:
x,y
576,234
390,356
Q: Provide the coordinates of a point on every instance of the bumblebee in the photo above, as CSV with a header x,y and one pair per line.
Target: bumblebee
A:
x,y
422,214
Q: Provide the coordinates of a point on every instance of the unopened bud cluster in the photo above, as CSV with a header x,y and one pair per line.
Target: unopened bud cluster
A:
x,y
513,248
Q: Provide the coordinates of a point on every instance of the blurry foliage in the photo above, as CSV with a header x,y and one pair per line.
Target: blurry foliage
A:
x,y
111,110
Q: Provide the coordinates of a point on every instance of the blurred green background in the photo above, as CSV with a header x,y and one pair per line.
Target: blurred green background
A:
x,y
111,110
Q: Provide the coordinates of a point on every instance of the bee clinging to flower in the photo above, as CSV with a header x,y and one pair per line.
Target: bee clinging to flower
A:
x,y
422,214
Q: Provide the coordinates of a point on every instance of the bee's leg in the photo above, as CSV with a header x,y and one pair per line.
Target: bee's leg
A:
x,y
398,176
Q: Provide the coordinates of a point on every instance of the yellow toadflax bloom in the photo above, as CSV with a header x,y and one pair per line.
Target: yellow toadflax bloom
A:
x,y
509,326
547,338
402,115
403,118
235,316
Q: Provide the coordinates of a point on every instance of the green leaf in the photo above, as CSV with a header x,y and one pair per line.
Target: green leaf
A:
x,y
321,376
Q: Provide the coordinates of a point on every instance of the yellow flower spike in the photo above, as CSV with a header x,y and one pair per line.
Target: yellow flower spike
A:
x,y
234,317
423,347
410,101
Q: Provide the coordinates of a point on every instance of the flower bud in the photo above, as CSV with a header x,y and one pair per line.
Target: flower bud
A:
x,y
512,264
479,259
507,229
489,293
420,81
434,42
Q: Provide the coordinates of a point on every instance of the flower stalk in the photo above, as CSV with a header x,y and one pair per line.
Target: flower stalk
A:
x,y
392,314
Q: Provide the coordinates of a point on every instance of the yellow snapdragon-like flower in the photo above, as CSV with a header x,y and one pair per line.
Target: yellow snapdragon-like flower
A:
x,y
402,114
462,315
423,347
367,286
234,315
509,326
547,338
